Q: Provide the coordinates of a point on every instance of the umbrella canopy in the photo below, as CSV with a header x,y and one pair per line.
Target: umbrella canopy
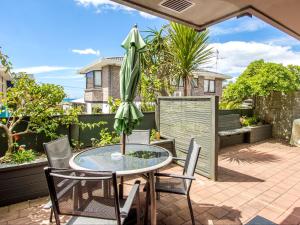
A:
x,y
128,115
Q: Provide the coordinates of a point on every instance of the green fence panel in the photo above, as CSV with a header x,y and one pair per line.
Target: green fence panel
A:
x,y
182,118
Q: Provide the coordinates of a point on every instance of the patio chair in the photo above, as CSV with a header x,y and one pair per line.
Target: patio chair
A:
x,y
139,137
181,184
58,153
72,198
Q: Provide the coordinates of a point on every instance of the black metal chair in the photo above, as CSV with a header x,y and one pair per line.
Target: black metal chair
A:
x,y
100,208
181,184
139,137
58,153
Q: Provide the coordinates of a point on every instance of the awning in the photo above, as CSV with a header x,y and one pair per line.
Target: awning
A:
x,y
283,14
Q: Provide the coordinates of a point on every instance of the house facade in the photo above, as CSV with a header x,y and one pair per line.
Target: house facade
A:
x,y
204,83
102,82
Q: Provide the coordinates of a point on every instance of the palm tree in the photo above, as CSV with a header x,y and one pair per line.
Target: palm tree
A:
x,y
190,50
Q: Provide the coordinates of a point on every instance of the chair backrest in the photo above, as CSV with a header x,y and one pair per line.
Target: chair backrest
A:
x,y
58,152
191,159
139,137
84,193
229,122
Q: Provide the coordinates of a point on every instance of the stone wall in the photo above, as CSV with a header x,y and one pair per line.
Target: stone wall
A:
x,y
279,110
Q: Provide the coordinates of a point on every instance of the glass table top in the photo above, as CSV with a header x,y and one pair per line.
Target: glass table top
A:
x,y
138,158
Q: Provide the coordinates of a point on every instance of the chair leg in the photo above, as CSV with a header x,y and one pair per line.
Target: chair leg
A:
x,y
138,209
51,215
147,203
191,209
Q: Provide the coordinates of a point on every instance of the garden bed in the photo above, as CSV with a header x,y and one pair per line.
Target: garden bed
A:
x,y
168,144
259,133
21,182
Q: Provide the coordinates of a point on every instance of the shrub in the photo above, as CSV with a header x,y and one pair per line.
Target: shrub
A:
x,y
22,156
249,121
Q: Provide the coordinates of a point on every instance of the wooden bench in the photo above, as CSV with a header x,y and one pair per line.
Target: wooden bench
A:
x,y
231,131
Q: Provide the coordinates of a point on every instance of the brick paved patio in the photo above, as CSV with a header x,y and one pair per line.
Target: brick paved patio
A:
x,y
261,179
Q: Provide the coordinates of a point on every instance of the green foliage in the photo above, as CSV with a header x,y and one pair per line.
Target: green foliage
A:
x,y
106,138
4,62
260,79
22,156
39,102
97,110
153,135
113,104
189,49
77,145
249,121
157,67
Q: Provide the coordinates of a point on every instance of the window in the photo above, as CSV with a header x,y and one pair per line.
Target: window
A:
x,y
195,82
209,86
94,79
89,80
181,84
97,78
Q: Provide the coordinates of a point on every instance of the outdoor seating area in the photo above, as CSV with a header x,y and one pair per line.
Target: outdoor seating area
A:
x,y
165,112
255,181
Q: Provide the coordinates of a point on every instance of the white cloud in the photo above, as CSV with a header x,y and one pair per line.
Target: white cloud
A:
x,y
235,56
238,26
107,4
42,69
147,15
284,41
87,51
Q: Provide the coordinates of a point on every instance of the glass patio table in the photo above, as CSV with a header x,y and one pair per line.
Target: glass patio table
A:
x,y
139,159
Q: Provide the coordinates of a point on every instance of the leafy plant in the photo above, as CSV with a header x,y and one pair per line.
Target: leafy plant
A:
x,y
22,156
36,105
189,49
113,104
249,121
106,138
153,135
260,79
77,145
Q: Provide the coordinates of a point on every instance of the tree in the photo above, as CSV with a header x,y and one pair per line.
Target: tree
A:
x,y
189,49
260,79
37,105
157,67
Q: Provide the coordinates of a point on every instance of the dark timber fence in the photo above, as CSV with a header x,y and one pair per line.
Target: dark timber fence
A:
x,y
35,141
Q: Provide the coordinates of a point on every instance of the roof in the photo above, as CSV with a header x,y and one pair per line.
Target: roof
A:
x,y
200,14
110,61
210,74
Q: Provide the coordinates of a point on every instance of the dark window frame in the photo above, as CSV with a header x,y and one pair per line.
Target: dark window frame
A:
x,y
93,77
209,80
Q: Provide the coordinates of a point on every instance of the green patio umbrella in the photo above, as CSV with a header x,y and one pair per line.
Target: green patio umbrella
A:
x,y
128,115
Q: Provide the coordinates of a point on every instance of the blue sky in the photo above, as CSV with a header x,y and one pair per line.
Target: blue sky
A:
x,y
54,38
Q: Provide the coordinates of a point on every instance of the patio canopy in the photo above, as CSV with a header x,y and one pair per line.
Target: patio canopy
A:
x,y
283,14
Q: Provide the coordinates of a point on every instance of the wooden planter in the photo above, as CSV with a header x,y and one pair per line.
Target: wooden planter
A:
x,y
168,144
260,133
22,182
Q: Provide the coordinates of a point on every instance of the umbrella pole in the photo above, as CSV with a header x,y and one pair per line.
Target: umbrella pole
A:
x,y
121,187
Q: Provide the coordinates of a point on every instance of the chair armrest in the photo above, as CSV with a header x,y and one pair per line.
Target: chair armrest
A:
x,y
124,211
175,176
179,159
